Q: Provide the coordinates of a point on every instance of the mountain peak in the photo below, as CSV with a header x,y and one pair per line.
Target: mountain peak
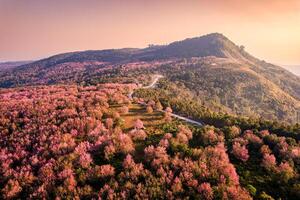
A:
x,y
213,44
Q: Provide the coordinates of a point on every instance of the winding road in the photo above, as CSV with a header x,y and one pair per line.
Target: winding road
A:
x,y
152,85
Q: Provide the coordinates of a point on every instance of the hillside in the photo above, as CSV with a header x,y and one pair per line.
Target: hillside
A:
x,y
11,65
293,68
211,68
93,142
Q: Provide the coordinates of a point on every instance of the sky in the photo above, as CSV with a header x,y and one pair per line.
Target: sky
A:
x,y
34,29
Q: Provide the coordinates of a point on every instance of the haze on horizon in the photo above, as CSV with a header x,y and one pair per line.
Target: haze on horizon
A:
x,y
29,30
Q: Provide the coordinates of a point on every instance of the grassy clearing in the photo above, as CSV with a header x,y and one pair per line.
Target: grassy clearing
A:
x,y
151,120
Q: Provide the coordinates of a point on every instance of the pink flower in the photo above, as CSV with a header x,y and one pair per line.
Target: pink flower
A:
x,y
132,170
11,189
124,143
85,160
70,183
109,123
124,109
265,149
286,171
237,193
66,173
168,136
186,131
252,138
137,134
105,171
168,110
206,191
164,143
295,152
182,138
158,155
109,151
269,161
240,152
82,148
177,186
138,124
264,133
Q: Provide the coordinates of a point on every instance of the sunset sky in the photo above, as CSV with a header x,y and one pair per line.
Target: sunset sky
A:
x,y
33,29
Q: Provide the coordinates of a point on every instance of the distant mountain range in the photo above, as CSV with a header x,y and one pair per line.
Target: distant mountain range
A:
x,y
11,65
210,67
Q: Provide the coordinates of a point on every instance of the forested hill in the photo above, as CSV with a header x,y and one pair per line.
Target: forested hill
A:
x,y
212,68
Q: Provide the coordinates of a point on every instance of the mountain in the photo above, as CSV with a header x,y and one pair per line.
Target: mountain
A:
x,y
11,65
214,44
211,68
293,68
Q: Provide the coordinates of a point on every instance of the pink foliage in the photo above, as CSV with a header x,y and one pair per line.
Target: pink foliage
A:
x,y
177,185
11,189
212,137
138,124
85,160
264,133
168,110
66,173
240,151
132,170
157,155
109,123
124,109
249,135
265,150
138,134
206,191
218,162
109,151
57,140
124,143
105,171
237,193
186,131
295,152
269,161
286,168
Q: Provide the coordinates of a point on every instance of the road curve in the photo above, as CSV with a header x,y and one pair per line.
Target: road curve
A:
x,y
152,85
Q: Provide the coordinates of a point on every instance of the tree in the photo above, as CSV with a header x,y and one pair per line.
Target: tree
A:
x,y
240,151
124,109
206,191
138,124
285,171
158,106
11,189
168,112
233,132
269,161
149,109
104,171
109,123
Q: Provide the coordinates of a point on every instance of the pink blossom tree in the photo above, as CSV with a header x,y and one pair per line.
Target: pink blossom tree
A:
x,y
269,161
206,191
240,151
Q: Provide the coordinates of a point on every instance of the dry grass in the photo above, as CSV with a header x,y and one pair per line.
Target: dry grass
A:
x,y
136,111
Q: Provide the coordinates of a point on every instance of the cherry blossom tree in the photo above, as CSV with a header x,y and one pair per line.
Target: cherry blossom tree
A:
x,y
269,161
240,151
206,191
